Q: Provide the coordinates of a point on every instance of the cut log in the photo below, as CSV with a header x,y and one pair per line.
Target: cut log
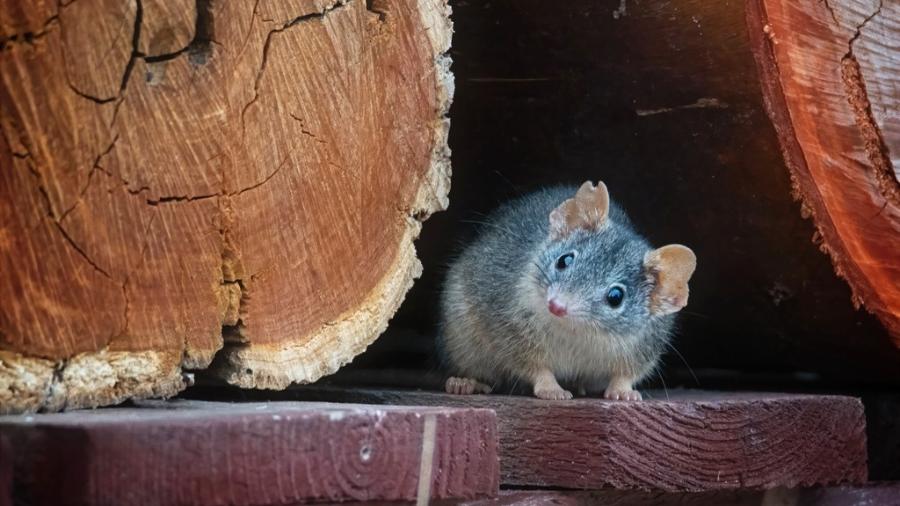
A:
x,y
189,452
688,441
173,169
831,79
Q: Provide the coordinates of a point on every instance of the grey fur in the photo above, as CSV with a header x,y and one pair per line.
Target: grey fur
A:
x,y
495,325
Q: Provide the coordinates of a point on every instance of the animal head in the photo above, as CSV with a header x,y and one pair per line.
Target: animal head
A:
x,y
597,272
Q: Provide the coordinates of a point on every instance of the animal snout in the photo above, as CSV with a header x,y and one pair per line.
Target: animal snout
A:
x,y
556,308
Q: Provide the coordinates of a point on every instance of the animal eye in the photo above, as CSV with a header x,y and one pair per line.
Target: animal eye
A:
x,y
565,261
615,295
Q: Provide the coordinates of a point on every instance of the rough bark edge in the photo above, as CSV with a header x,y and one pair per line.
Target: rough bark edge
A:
x,y
87,380
277,366
803,189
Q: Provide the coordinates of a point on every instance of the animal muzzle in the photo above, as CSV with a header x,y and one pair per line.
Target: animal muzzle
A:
x,y
556,308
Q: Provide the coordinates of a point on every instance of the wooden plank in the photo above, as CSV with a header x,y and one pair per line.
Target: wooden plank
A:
x,y
692,441
194,452
6,472
885,494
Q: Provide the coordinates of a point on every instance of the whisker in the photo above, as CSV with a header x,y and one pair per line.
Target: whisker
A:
x,y
512,389
660,376
543,272
700,315
505,230
670,345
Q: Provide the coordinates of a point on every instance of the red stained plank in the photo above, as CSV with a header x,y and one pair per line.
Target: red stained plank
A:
x,y
695,441
6,472
885,494
192,452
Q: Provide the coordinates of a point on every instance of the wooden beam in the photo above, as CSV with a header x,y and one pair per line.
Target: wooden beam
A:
x,y
6,472
194,452
886,493
692,441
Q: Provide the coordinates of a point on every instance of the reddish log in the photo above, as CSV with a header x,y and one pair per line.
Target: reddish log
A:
x,y
193,452
829,73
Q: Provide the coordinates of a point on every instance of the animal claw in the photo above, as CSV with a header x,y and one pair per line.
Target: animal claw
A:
x,y
622,395
465,386
553,394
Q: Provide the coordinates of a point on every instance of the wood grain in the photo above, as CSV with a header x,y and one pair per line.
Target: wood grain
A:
x,y
829,74
173,168
191,452
6,472
887,494
692,441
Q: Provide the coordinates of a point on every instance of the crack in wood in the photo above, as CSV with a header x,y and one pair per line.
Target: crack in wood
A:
x,y
135,42
127,300
370,6
831,11
265,54
29,38
233,335
87,96
858,98
80,251
181,198
94,168
303,129
126,74
860,26
57,379
57,222
135,54
191,198
265,180
198,49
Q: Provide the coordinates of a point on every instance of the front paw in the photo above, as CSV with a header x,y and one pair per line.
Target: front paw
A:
x,y
552,394
465,386
621,394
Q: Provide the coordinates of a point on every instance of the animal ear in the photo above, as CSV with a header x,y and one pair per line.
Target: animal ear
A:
x,y
587,210
670,268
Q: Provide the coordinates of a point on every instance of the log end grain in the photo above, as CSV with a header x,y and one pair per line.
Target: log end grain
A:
x,y
246,175
274,364
277,365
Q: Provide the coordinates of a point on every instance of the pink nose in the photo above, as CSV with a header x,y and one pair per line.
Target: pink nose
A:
x,y
556,308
